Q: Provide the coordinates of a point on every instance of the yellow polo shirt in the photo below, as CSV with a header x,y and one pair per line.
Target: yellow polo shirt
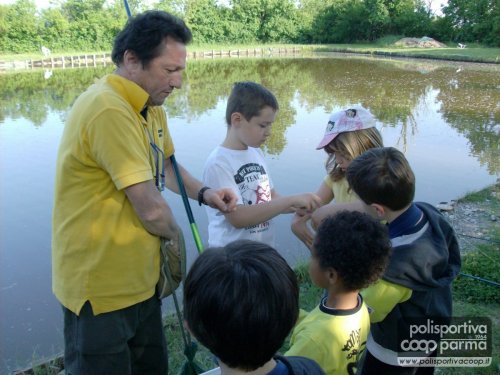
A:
x,y
100,250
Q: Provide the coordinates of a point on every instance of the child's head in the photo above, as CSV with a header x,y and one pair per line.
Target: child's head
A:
x,y
352,244
348,134
248,99
241,301
382,176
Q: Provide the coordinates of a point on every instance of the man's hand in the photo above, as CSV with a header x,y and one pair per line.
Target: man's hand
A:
x,y
223,199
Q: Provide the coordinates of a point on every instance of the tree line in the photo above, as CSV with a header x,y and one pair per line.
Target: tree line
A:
x,y
90,25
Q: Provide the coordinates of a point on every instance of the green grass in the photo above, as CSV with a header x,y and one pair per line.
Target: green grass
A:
x,y
175,342
483,263
472,54
489,194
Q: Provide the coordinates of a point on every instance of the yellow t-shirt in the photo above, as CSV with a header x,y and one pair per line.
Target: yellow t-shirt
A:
x,y
341,191
100,250
335,339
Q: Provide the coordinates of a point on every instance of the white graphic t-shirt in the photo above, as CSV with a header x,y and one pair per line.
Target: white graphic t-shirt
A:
x,y
245,172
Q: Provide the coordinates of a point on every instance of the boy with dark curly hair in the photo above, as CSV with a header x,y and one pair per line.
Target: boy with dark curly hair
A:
x,y
350,251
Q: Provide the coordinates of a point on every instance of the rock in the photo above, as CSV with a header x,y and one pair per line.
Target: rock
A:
x,y
444,206
493,218
424,42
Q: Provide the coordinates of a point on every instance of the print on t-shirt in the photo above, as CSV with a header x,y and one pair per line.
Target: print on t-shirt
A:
x,y
253,183
354,348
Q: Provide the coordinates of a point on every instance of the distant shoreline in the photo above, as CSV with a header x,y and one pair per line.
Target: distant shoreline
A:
x,y
481,55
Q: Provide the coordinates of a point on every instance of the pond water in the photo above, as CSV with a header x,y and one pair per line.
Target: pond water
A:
x,y
444,117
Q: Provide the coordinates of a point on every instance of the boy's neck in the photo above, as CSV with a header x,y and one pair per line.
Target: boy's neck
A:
x,y
385,213
232,142
268,366
391,215
342,300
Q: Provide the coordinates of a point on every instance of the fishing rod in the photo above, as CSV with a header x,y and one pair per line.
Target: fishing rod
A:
x,y
494,283
180,183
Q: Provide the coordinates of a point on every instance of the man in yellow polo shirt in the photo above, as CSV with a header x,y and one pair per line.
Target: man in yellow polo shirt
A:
x,y
109,214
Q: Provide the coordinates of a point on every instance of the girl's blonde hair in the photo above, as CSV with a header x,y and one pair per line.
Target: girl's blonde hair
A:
x,y
351,145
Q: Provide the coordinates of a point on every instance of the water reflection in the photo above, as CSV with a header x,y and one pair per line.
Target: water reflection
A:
x,y
393,90
442,115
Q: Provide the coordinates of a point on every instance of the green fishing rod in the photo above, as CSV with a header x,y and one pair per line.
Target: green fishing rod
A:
x,y
180,183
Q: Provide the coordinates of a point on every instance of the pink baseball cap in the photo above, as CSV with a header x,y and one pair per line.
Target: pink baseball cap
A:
x,y
349,120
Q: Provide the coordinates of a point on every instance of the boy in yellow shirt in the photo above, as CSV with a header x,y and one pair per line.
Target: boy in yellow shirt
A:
x,y
350,251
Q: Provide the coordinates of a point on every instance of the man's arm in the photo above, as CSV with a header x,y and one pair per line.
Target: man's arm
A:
x,y
222,199
152,210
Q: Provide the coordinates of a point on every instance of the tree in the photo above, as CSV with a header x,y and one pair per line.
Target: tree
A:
x,y
55,29
474,21
204,19
20,26
278,21
410,18
379,17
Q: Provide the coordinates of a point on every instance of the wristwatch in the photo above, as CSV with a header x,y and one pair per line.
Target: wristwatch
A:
x,y
200,195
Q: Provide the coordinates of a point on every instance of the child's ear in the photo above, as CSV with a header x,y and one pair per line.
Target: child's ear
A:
x,y
379,210
236,118
332,276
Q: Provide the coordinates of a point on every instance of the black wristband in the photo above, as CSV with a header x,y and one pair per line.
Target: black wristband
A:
x,y
200,195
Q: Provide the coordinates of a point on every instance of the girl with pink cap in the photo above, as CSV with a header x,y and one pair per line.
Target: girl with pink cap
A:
x,y
348,134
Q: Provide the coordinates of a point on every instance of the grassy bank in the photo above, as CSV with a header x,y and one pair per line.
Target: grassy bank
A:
x,y
471,297
470,54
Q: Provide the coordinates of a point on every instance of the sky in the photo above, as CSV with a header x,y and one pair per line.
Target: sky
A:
x,y
436,4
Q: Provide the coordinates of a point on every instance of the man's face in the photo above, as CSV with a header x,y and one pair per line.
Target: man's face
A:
x,y
163,73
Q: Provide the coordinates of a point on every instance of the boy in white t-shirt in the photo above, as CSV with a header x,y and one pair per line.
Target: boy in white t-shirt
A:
x,y
239,163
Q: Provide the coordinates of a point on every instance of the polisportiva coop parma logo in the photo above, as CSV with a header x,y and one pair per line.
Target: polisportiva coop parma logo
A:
x,y
445,342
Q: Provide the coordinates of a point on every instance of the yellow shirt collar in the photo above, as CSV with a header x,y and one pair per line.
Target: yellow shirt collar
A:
x,y
131,91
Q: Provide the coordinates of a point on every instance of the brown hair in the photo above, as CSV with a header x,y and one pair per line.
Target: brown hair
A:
x,y
249,98
351,144
382,176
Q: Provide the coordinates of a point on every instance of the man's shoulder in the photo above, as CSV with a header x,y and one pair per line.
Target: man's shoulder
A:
x,y
101,95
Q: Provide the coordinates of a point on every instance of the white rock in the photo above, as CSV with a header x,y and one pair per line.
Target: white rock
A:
x,y
443,206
